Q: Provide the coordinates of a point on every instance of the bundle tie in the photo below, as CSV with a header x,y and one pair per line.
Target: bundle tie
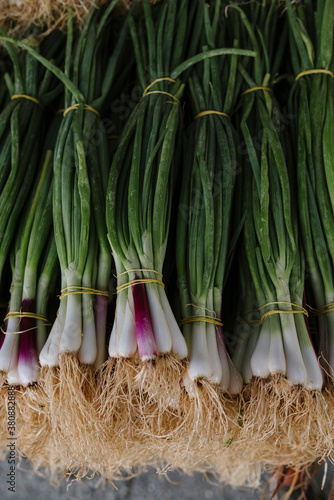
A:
x,y
139,281
21,315
324,309
211,112
81,290
28,97
75,106
204,319
160,91
313,72
24,331
301,310
253,89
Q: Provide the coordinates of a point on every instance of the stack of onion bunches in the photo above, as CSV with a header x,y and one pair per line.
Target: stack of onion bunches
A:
x,y
166,237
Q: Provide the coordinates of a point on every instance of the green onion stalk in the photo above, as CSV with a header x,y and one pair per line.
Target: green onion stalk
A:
x,y
146,340
247,324
31,88
35,436
81,170
271,235
286,375
311,34
140,192
4,95
18,353
204,241
311,42
204,232
76,343
22,125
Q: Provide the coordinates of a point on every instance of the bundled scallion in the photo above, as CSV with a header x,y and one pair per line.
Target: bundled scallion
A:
x,y
27,320
146,343
286,375
204,242
76,343
22,125
311,104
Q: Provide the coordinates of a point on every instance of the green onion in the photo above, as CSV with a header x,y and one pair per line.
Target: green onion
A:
x,y
204,219
80,170
140,191
18,353
311,101
271,233
21,134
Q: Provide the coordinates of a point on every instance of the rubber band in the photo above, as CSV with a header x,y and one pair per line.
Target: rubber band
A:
x,y
162,92
278,311
301,310
86,106
253,89
81,290
28,97
21,315
328,308
156,81
204,319
141,271
314,72
312,308
211,112
140,281
23,331
15,314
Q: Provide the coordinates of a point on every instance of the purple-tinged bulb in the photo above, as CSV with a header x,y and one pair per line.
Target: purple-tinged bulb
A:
x,y
28,365
144,331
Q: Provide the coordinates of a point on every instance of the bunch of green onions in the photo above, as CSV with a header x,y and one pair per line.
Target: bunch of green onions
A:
x,y
204,230
311,102
283,346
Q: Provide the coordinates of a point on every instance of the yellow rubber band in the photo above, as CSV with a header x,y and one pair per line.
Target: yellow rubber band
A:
x,y
314,72
162,92
278,311
301,310
140,281
29,97
327,308
253,89
283,302
204,319
211,112
81,290
21,315
312,308
156,81
141,271
86,106
31,315
24,331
